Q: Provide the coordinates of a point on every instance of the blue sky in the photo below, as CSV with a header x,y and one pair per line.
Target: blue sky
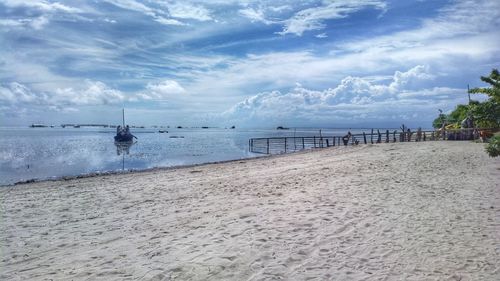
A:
x,y
247,63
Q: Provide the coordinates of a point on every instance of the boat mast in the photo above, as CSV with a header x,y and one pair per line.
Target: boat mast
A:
x,y
123,117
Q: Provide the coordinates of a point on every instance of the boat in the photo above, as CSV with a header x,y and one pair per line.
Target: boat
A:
x,y
162,131
123,134
282,128
38,125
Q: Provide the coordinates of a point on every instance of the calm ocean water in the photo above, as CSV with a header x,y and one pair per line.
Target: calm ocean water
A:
x,y
44,153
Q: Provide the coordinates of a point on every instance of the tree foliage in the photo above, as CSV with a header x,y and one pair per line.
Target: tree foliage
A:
x,y
494,91
438,122
485,114
455,117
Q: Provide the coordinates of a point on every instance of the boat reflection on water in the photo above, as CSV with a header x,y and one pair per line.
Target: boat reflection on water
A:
x,y
123,148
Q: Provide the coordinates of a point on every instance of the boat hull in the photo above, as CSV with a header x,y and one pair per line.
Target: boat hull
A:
x,y
124,138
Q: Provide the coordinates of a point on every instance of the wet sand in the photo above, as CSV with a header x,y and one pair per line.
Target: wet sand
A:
x,y
403,211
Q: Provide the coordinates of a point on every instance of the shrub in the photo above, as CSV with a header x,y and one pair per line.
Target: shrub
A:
x,y
493,147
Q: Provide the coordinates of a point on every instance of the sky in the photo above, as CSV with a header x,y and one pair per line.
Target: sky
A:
x,y
249,63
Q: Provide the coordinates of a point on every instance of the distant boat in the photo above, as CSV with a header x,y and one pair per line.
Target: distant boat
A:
x,y
162,131
123,134
282,128
38,126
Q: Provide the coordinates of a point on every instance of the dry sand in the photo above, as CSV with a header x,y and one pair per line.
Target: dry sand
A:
x,y
404,211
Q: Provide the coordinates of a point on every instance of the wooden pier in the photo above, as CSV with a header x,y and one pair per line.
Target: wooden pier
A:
x,y
276,145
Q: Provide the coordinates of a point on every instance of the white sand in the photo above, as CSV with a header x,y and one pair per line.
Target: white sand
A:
x,y
410,211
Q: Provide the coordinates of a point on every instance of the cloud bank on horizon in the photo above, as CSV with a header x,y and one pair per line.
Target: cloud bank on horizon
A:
x,y
251,63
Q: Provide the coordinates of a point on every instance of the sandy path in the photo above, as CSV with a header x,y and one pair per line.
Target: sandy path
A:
x,y
405,211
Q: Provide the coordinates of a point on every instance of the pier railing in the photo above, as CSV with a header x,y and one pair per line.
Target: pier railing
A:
x,y
276,145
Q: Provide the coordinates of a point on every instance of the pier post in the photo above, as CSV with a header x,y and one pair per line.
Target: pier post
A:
x,y
364,137
327,144
394,136
314,139
285,144
387,136
303,144
371,137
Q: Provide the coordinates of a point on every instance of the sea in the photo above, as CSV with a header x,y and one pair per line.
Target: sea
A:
x,y
50,153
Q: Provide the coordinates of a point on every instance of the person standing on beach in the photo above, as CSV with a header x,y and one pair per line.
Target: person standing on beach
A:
x,y
346,138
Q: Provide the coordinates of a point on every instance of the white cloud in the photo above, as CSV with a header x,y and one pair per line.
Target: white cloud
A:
x,y
158,14
255,15
355,99
11,23
403,80
35,23
185,10
18,93
313,18
39,23
457,43
166,21
461,21
133,6
41,5
110,20
37,13
445,44
163,90
92,93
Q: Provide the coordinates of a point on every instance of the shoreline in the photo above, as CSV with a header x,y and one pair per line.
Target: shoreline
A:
x,y
120,172
418,211
166,168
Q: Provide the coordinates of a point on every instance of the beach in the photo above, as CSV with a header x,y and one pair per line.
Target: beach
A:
x,y
398,211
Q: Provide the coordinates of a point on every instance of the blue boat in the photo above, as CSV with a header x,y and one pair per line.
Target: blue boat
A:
x,y
123,134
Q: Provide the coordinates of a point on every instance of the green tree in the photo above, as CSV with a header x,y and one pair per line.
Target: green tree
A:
x,y
455,117
494,91
486,114
459,114
438,122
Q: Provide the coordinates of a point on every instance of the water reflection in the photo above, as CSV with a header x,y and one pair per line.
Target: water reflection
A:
x,y
123,148
42,153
